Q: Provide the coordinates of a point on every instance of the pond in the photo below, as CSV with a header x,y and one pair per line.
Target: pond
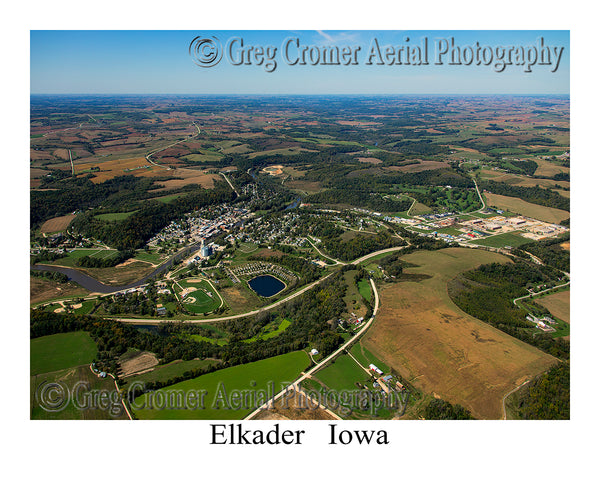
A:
x,y
266,285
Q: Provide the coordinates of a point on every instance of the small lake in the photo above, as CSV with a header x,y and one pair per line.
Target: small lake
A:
x,y
266,285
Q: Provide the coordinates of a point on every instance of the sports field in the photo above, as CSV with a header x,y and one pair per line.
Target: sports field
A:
x,y
440,349
251,380
60,351
516,205
202,298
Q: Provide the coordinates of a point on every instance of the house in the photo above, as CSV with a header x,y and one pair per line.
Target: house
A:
x,y
314,351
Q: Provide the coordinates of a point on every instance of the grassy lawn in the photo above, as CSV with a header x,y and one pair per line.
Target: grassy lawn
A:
x,y
251,377
60,351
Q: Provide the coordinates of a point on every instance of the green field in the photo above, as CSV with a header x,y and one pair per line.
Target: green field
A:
x,y
365,357
81,405
155,258
60,351
502,240
342,374
169,198
205,298
364,287
202,338
114,217
269,331
251,377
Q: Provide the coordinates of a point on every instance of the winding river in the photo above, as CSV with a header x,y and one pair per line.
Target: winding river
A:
x,y
93,285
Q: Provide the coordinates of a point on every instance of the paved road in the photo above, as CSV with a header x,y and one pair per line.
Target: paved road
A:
x,y
530,295
152,321
329,358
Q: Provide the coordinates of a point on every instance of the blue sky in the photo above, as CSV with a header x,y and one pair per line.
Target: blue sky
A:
x,y
158,62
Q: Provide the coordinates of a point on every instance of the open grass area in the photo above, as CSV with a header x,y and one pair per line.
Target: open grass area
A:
x,y
114,217
364,287
251,377
366,357
270,331
69,378
440,349
60,351
502,240
342,374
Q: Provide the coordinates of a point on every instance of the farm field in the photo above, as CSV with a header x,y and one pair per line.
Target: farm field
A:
x,y
558,303
523,181
279,370
165,372
548,169
62,350
423,335
516,205
57,224
69,377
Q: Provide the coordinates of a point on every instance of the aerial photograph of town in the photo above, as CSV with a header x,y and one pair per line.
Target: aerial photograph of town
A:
x,y
304,256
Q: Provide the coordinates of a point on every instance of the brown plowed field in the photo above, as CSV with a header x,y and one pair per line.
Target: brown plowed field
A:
x,y
431,342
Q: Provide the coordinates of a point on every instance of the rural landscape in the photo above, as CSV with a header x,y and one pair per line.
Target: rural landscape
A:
x,y
396,257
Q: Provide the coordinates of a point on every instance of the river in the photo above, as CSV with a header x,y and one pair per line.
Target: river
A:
x,y
93,285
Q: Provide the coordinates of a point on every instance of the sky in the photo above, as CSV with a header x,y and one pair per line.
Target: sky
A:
x,y
147,62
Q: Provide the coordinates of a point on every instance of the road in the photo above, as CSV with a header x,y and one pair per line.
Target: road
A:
x,y
480,197
539,293
169,146
321,364
337,262
230,184
72,167
152,321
